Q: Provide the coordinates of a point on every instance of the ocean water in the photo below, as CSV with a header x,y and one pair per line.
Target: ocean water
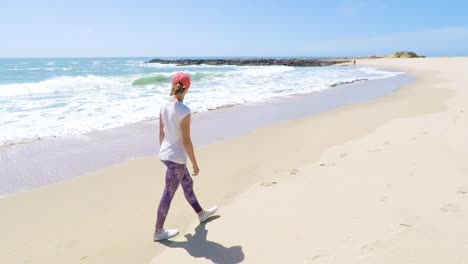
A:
x,y
57,97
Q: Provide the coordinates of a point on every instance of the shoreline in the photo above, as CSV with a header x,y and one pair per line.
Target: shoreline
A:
x,y
100,149
5,144
382,181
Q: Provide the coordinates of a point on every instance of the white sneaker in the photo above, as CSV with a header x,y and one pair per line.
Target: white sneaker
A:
x,y
207,214
165,234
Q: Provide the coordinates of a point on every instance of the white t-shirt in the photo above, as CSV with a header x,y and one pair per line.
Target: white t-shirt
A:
x,y
172,147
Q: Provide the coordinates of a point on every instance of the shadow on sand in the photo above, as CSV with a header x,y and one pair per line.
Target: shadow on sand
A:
x,y
198,247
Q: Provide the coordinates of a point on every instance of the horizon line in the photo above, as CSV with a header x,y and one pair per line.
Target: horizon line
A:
x,y
219,57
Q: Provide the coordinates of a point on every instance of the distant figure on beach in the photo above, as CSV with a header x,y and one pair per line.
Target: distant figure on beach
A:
x,y
176,145
354,62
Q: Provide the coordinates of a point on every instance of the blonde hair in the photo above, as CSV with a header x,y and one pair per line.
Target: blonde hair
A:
x,y
177,88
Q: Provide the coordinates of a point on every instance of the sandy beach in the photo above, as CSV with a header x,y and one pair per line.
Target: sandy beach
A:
x,y
383,181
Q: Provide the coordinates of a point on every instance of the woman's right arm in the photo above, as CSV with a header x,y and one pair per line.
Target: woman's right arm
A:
x,y
161,130
185,127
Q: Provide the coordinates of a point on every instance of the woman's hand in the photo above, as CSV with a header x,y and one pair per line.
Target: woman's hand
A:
x,y
196,170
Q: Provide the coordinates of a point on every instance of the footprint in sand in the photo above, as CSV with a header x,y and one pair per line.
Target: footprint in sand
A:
x,y
372,247
449,208
343,155
266,184
294,171
406,227
327,164
317,259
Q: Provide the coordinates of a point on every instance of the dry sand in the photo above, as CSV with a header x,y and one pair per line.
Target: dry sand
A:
x,y
378,182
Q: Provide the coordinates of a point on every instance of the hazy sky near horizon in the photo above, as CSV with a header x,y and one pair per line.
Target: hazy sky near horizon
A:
x,y
145,28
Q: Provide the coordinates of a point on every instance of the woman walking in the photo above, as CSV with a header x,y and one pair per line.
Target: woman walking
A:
x,y
176,145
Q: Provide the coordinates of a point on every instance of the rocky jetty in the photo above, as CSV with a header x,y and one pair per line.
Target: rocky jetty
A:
x,y
406,54
253,62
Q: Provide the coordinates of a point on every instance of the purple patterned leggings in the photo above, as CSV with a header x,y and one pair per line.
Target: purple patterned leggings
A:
x,y
176,174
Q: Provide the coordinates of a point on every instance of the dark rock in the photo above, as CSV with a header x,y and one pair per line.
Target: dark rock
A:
x,y
253,62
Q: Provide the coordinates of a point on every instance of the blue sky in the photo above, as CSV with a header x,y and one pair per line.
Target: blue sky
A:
x,y
156,28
